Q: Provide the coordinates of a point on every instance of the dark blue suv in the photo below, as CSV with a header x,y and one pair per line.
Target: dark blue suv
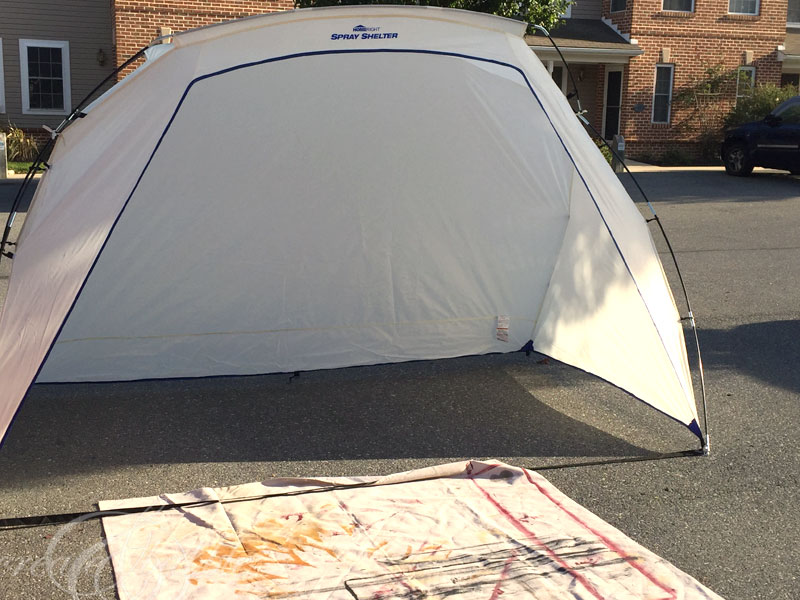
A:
x,y
773,142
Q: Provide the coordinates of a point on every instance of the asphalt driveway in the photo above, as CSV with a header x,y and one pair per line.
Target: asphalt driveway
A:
x,y
732,520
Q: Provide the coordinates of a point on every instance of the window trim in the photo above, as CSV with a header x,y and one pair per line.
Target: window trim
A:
x,y
65,76
746,68
2,81
751,14
675,10
623,9
671,68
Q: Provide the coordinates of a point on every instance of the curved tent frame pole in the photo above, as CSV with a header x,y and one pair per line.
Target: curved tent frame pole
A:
x,y
706,440
40,164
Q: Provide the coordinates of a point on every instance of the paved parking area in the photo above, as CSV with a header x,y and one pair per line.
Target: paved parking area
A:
x,y
732,520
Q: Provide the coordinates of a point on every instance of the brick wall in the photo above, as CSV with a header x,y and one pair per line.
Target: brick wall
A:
x,y
696,40
137,22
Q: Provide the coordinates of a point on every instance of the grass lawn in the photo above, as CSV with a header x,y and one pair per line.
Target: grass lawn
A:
x,y
19,167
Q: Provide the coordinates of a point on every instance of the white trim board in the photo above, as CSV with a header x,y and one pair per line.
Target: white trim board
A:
x,y
65,75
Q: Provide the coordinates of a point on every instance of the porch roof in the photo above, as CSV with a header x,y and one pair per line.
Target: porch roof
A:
x,y
584,41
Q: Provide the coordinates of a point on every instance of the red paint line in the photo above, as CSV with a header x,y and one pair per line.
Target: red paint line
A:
x,y
528,533
498,589
610,544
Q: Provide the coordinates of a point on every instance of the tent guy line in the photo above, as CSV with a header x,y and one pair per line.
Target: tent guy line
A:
x,y
28,522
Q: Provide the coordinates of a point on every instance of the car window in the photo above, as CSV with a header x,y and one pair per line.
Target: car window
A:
x,y
791,114
788,110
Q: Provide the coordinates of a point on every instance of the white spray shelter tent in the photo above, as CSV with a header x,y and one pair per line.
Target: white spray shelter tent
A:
x,y
406,183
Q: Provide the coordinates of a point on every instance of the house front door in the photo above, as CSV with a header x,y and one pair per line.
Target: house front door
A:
x,y
612,102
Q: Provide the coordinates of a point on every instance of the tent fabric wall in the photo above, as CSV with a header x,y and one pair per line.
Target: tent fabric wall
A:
x,y
395,198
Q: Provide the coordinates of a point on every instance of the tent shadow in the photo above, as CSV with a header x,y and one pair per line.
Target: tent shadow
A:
x,y
766,351
449,409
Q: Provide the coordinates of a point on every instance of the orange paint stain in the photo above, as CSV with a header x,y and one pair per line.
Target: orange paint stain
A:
x,y
234,561
372,551
270,542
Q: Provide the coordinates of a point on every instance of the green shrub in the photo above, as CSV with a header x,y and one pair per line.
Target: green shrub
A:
x,y
20,147
604,149
759,104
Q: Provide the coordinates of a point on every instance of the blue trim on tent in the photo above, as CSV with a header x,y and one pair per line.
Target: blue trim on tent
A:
x,y
695,429
303,55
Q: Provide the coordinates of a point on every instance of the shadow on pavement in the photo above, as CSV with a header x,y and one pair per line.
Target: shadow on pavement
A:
x,y
711,186
8,191
467,407
766,351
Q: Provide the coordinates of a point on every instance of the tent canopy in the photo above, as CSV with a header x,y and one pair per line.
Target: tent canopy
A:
x,y
408,184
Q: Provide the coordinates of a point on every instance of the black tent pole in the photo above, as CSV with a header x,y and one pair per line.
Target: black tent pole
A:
x,y
706,440
41,156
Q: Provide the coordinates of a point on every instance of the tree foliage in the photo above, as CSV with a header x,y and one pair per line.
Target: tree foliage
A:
x,y
759,103
535,12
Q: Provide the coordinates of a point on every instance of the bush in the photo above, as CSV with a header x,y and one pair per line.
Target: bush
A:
x,y
675,157
604,150
20,147
759,104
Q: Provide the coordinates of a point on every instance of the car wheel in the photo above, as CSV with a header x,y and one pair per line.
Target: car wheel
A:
x,y
737,160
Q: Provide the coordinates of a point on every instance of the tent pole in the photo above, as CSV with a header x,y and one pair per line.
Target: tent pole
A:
x,y
41,156
705,437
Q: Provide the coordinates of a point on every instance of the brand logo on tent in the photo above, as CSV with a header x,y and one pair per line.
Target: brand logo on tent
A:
x,y
362,32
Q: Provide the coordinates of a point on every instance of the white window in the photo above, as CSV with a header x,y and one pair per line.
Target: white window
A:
x,y
44,71
617,5
745,81
679,5
2,81
662,94
743,7
567,13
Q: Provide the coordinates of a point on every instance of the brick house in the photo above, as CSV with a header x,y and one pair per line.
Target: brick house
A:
x,y
754,41
630,57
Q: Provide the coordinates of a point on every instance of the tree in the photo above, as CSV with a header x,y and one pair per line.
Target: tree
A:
x,y
546,13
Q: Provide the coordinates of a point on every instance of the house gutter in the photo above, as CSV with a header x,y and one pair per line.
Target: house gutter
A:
x,y
589,55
